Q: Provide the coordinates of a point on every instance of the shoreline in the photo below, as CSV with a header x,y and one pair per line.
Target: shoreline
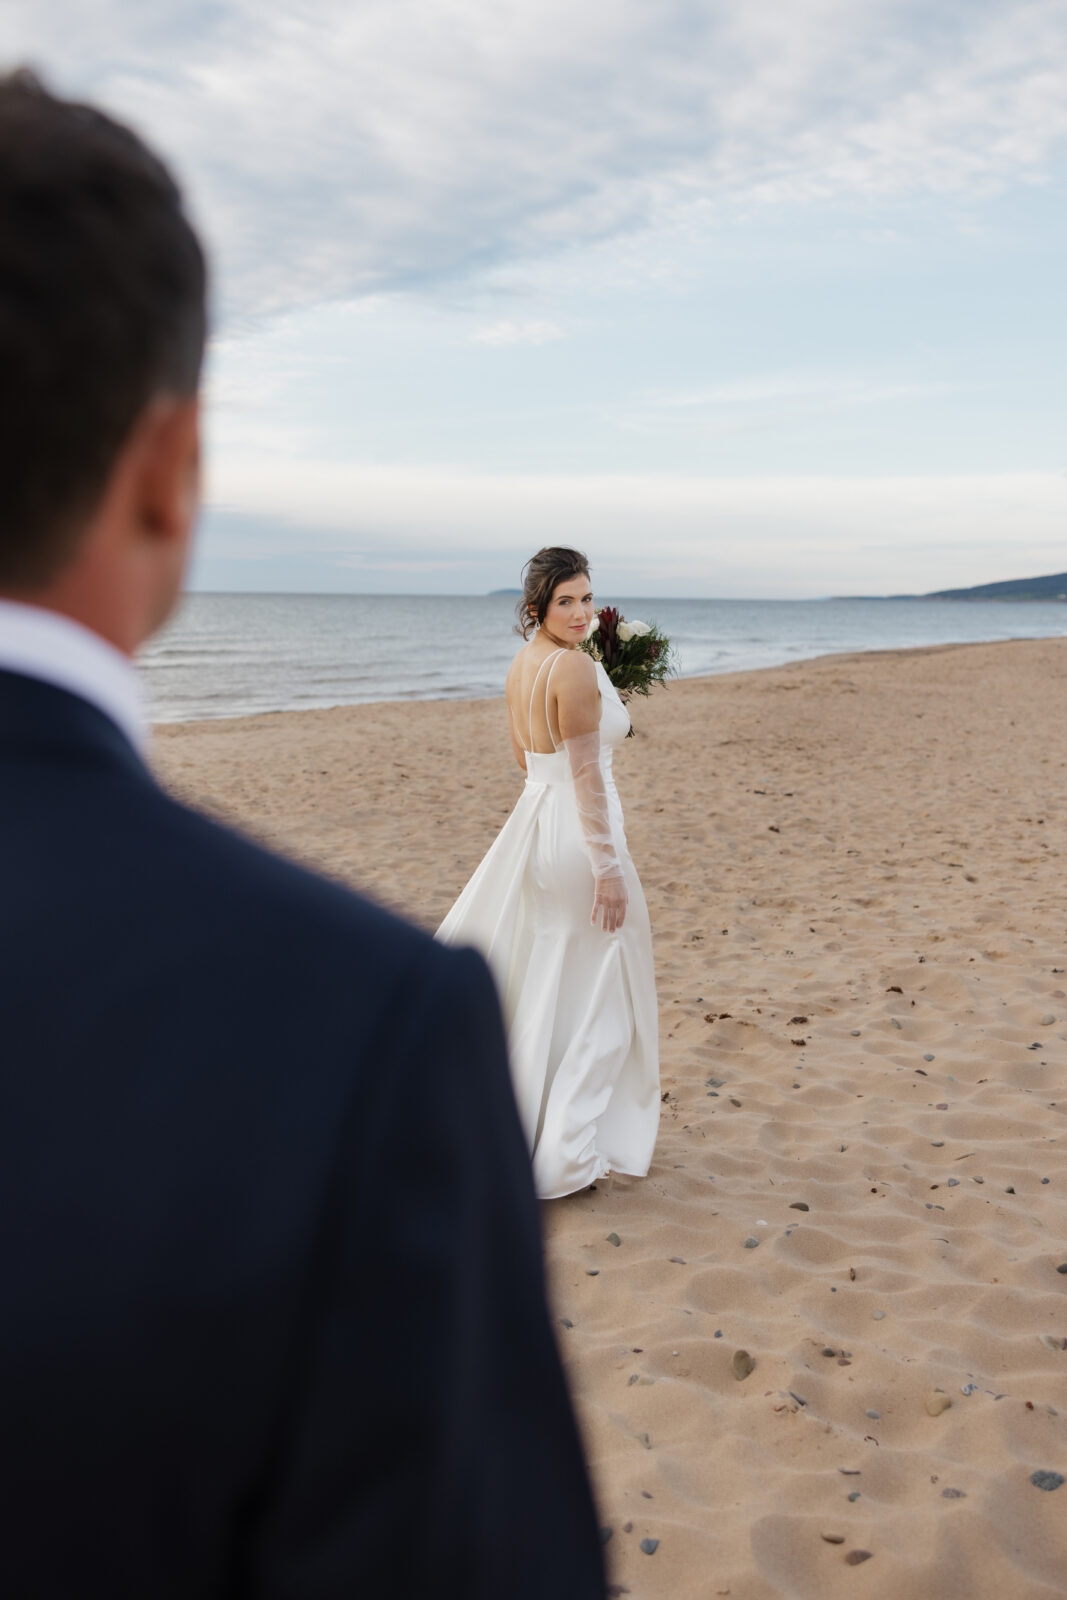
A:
x,y
697,677
855,869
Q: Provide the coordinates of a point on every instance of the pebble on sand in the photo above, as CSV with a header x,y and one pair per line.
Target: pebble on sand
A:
x,y
614,1239
937,1402
1047,1480
953,1494
1062,1267
856,1557
741,1364
799,1205
751,1244
650,1546
833,1538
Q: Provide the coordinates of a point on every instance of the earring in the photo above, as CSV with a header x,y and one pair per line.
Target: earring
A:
x,y
537,626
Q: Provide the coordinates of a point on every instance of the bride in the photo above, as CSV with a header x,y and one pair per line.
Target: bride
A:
x,y
557,908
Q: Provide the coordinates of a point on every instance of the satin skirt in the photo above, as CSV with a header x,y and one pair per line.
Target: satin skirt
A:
x,y
580,1004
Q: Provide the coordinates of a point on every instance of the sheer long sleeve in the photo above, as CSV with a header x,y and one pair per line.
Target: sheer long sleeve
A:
x,y
583,753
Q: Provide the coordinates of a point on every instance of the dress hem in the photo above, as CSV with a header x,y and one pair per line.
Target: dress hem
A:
x,y
609,1172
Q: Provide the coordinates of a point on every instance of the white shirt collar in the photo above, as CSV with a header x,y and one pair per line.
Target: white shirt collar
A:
x,y
42,644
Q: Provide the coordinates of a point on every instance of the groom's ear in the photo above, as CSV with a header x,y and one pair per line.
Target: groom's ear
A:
x,y
165,470
156,494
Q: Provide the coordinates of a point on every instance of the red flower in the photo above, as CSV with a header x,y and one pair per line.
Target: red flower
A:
x,y
607,635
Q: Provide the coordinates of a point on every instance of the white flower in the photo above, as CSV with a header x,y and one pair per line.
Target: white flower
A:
x,y
593,626
632,630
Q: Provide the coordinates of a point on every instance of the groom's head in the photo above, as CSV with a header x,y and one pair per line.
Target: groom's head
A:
x,y
102,324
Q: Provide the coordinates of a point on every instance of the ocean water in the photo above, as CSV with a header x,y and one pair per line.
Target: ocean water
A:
x,y
231,655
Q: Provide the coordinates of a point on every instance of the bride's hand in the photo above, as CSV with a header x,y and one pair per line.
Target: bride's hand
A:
x,y
609,904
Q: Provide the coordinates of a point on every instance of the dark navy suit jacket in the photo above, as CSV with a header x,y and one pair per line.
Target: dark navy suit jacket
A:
x,y
272,1320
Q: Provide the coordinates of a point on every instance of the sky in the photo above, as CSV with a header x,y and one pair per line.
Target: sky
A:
x,y
745,298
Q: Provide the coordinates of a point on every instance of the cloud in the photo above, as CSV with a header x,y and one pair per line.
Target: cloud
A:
x,y
504,333
658,534
831,389
767,401
337,150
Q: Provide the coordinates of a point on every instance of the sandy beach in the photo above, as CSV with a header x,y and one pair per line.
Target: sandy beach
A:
x,y
855,873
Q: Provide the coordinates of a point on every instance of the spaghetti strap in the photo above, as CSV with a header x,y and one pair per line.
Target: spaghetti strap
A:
x,y
529,715
548,684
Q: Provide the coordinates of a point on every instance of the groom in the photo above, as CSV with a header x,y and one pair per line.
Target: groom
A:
x,y
272,1321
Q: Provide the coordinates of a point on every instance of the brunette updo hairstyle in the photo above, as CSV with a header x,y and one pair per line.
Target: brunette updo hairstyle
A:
x,y
541,576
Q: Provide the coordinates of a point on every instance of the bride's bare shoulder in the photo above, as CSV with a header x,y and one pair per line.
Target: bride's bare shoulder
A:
x,y
575,669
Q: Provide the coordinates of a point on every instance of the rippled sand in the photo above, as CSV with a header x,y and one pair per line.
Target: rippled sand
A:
x,y
855,870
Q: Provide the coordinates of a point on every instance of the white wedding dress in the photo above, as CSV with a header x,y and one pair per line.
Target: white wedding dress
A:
x,y
580,1004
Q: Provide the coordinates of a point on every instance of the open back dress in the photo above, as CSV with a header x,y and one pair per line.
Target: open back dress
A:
x,y
580,1004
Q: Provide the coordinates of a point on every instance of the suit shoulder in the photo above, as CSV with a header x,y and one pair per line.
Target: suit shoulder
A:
x,y
246,883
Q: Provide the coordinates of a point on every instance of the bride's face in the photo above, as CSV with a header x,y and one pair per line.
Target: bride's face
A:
x,y
570,610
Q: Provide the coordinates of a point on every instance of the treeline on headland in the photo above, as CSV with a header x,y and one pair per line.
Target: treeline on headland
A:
x,y
1053,587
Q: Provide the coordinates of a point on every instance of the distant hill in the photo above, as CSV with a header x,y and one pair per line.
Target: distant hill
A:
x,y
1050,588
492,592
1053,588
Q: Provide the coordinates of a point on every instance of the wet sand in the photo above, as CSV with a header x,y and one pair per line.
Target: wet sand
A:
x,y
855,872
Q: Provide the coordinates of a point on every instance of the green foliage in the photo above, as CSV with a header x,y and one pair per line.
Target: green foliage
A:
x,y
634,665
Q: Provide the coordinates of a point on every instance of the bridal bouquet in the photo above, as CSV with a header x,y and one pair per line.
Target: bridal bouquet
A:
x,y
635,654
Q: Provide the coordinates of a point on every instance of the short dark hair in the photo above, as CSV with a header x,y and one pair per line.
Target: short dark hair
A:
x,y
541,577
102,308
